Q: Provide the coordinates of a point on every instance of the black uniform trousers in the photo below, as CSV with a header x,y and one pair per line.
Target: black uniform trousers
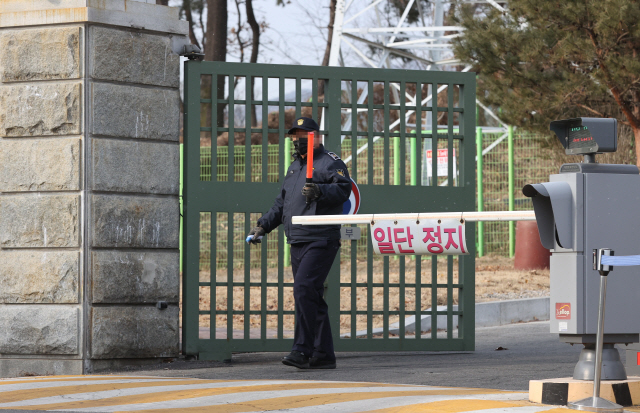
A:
x,y
311,262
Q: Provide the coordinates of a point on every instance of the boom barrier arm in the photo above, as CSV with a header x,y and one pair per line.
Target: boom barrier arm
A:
x,y
369,218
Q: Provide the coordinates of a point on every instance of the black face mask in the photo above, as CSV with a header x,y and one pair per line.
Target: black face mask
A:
x,y
301,146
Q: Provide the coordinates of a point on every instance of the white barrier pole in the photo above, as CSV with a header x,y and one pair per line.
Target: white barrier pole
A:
x,y
463,216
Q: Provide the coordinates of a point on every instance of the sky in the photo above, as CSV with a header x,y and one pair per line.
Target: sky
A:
x,y
296,33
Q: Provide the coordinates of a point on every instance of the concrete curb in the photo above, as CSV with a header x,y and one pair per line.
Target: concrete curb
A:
x,y
489,314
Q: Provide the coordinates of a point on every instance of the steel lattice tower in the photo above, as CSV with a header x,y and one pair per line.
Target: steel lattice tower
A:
x,y
360,24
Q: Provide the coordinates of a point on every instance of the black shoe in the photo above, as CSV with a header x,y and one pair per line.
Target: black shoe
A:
x,y
296,359
321,363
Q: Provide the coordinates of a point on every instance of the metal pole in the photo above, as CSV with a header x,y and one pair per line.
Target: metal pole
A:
x,y
596,403
414,163
480,191
396,160
599,337
512,225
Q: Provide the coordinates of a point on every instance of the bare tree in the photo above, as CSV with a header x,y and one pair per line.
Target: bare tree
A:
x,y
219,41
186,5
238,32
327,50
215,44
255,45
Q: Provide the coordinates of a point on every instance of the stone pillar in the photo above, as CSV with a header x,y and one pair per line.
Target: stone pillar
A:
x,y
89,171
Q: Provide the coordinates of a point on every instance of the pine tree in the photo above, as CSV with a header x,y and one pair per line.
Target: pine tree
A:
x,y
544,60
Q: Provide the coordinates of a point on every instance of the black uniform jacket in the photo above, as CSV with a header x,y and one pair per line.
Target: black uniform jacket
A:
x,y
331,176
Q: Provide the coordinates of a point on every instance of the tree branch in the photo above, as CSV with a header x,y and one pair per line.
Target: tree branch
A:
x,y
595,112
327,50
255,45
189,16
255,31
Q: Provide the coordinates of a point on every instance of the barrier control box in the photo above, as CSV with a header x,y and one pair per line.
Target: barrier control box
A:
x,y
584,207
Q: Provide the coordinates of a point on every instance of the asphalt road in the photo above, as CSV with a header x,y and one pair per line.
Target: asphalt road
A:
x,y
531,353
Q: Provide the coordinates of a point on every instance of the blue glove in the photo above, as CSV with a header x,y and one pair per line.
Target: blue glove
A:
x,y
255,235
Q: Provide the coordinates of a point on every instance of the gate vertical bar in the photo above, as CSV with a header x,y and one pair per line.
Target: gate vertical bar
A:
x,y
466,275
370,135
213,269
403,182
248,175
434,134
370,181
213,244
191,232
450,180
415,161
450,148
387,173
333,141
230,279
265,179
354,176
231,152
434,297
450,296
283,171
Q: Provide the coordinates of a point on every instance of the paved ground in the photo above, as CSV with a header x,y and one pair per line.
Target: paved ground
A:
x,y
111,394
373,382
532,353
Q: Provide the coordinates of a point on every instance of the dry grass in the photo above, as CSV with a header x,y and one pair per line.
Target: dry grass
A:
x,y
496,279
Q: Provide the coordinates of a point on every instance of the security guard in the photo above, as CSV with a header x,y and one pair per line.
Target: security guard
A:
x,y
313,248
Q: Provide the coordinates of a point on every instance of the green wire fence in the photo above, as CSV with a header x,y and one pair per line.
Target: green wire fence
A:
x,y
513,161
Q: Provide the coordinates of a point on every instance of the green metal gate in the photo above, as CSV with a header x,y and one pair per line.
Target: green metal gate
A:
x,y
238,298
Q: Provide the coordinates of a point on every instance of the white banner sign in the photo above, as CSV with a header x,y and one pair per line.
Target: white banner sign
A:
x,y
428,237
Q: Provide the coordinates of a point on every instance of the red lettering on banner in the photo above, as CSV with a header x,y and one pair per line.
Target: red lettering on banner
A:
x,y
384,247
409,236
429,237
434,248
398,240
450,241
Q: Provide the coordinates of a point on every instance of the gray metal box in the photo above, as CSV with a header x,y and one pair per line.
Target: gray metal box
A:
x,y
593,206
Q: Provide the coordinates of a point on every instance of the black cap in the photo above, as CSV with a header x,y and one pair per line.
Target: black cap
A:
x,y
303,123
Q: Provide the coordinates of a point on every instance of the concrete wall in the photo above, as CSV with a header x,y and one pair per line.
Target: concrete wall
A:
x,y
89,129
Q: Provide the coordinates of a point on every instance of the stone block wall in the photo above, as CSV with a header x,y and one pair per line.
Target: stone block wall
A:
x,y
41,141
89,176
133,181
